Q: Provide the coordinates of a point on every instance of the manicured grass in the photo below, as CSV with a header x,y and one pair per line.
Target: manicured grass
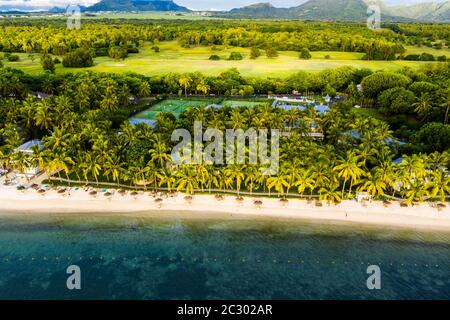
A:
x,y
174,58
435,52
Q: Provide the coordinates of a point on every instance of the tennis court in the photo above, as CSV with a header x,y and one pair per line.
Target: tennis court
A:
x,y
174,106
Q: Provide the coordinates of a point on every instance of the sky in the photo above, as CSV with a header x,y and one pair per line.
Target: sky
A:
x,y
192,4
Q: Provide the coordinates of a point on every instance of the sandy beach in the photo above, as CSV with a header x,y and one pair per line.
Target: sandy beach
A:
x,y
78,200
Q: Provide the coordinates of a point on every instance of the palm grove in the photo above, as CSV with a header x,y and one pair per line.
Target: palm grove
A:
x,y
86,135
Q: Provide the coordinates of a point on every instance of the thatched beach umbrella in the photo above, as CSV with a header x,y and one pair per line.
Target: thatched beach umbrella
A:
x,y
403,204
42,191
219,197
284,202
134,193
319,204
158,200
386,203
107,194
62,191
34,186
239,199
93,193
258,203
122,192
188,199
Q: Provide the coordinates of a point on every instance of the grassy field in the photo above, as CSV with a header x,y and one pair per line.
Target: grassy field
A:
x,y
173,58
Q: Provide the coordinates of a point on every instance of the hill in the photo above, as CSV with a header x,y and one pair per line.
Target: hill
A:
x,y
136,5
332,10
430,12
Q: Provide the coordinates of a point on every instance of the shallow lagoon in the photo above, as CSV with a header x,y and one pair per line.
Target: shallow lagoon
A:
x,y
134,257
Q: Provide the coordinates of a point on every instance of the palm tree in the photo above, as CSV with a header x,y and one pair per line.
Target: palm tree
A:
x,y
440,185
43,116
373,184
113,167
278,183
203,87
330,194
348,168
446,104
235,175
159,151
144,89
252,173
416,191
185,82
304,181
423,106
186,179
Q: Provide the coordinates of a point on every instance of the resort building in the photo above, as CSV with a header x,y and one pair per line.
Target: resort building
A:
x,y
27,147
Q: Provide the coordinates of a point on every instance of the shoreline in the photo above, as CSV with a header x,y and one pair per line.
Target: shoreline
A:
x,y
14,202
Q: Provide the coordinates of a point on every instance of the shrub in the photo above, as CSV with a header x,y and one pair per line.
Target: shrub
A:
x,y
305,54
118,53
271,53
235,56
254,53
47,63
214,57
13,58
79,58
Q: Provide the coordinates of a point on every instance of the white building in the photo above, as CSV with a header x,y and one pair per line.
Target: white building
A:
x,y
32,170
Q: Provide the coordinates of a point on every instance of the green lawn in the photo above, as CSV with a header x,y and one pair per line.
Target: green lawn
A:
x,y
173,58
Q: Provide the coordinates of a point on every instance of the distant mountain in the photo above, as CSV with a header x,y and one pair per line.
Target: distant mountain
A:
x,y
260,10
430,12
340,10
136,5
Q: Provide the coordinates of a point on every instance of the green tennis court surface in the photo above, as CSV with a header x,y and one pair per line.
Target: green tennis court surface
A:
x,y
174,106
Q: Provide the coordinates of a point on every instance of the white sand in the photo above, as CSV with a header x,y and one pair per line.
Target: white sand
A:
x,y
423,216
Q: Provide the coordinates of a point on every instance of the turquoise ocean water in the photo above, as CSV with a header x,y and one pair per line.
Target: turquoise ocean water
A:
x,y
130,257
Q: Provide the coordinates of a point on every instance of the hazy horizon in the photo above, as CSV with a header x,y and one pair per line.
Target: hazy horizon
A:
x,y
192,4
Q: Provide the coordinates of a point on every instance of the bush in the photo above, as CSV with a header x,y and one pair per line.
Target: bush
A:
x,y
235,56
396,101
156,49
433,137
56,60
442,58
419,57
378,82
254,53
13,57
214,57
47,63
79,58
132,50
271,53
305,54
327,57
101,52
118,53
